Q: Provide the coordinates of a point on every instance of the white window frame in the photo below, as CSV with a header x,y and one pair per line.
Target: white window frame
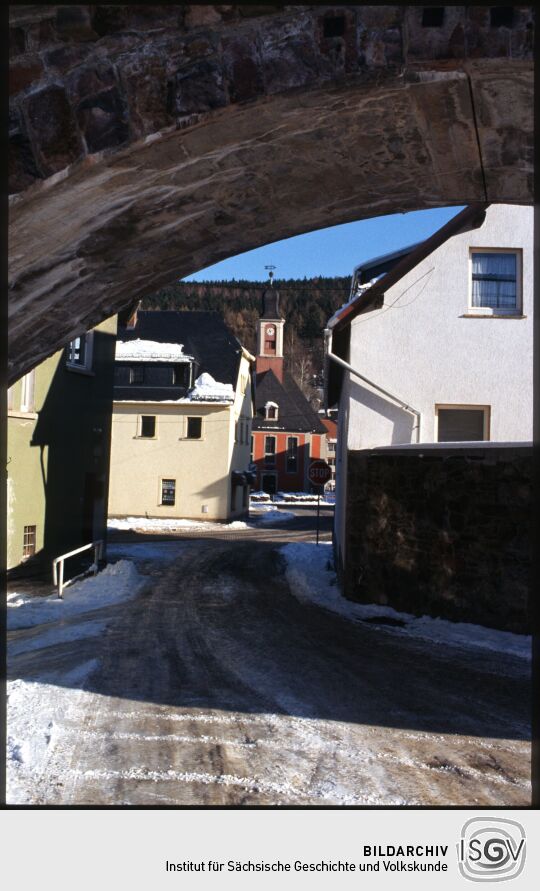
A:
x,y
28,387
86,366
267,408
486,409
516,310
29,541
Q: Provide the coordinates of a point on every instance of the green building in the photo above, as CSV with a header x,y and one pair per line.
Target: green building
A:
x,y
59,432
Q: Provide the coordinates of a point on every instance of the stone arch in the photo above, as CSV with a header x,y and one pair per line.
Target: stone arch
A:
x,y
149,142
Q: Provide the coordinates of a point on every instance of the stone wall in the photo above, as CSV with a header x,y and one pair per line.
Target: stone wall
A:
x,y
442,531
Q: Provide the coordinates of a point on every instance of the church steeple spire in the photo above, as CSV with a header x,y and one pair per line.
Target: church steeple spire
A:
x,y
270,334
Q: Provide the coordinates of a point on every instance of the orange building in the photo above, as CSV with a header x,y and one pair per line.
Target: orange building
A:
x,y
287,434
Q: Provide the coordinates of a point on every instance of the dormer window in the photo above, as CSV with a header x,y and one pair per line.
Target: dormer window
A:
x,y
271,411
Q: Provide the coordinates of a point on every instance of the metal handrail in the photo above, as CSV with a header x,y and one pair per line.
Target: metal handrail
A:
x,y
58,577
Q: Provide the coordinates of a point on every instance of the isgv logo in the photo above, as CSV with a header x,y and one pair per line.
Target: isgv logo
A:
x,y
491,849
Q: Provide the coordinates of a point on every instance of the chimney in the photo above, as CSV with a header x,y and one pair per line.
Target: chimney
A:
x,y
128,317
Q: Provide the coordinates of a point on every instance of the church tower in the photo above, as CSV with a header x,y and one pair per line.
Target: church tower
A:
x,y
270,335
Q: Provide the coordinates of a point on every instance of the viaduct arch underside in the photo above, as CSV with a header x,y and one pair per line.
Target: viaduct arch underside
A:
x,y
149,144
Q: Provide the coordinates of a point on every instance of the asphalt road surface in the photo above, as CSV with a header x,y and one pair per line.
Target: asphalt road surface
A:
x,y
216,686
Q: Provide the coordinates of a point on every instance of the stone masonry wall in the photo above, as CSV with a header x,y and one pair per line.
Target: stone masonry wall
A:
x,y
443,532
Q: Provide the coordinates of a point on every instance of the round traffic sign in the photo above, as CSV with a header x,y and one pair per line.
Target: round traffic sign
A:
x,y
319,473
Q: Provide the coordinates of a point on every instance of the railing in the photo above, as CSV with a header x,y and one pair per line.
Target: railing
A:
x,y
58,575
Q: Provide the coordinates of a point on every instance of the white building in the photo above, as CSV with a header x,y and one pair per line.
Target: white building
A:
x,y
436,342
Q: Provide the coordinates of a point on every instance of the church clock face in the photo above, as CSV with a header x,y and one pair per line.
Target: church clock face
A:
x,y
270,331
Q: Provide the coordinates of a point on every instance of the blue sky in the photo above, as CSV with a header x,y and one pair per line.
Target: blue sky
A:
x,y
333,251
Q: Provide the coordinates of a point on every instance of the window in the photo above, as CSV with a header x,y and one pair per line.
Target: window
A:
x,y
79,352
270,450
27,391
331,447
136,374
251,450
194,428
462,423
495,282
148,426
29,541
271,411
292,454
269,346
180,375
168,492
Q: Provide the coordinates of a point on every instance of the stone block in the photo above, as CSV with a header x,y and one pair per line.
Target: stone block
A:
x,y
64,58
242,67
89,80
52,129
75,23
17,42
24,71
200,16
103,120
196,89
291,56
22,168
144,83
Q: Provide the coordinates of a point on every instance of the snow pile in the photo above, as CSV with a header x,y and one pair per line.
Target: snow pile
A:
x,y
292,497
265,514
150,351
312,581
158,524
305,497
117,582
206,389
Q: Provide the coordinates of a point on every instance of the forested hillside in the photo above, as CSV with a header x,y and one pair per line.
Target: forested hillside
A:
x,y
306,305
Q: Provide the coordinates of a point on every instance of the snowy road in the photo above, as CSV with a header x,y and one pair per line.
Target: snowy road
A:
x,y
214,685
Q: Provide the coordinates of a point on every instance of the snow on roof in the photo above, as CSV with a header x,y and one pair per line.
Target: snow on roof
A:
x,y
206,389
359,290
150,351
271,405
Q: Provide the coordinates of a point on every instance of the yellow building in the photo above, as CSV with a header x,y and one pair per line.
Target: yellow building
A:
x,y
59,420
183,406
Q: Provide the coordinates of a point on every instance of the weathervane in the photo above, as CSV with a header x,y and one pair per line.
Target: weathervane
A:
x,y
270,274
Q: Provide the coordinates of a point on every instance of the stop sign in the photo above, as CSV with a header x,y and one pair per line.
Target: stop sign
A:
x,y
319,473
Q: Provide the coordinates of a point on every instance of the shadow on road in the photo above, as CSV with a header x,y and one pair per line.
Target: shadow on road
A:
x,y
216,628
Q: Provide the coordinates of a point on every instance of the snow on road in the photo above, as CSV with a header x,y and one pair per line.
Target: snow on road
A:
x,y
216,686
313,580
38,706
36,716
